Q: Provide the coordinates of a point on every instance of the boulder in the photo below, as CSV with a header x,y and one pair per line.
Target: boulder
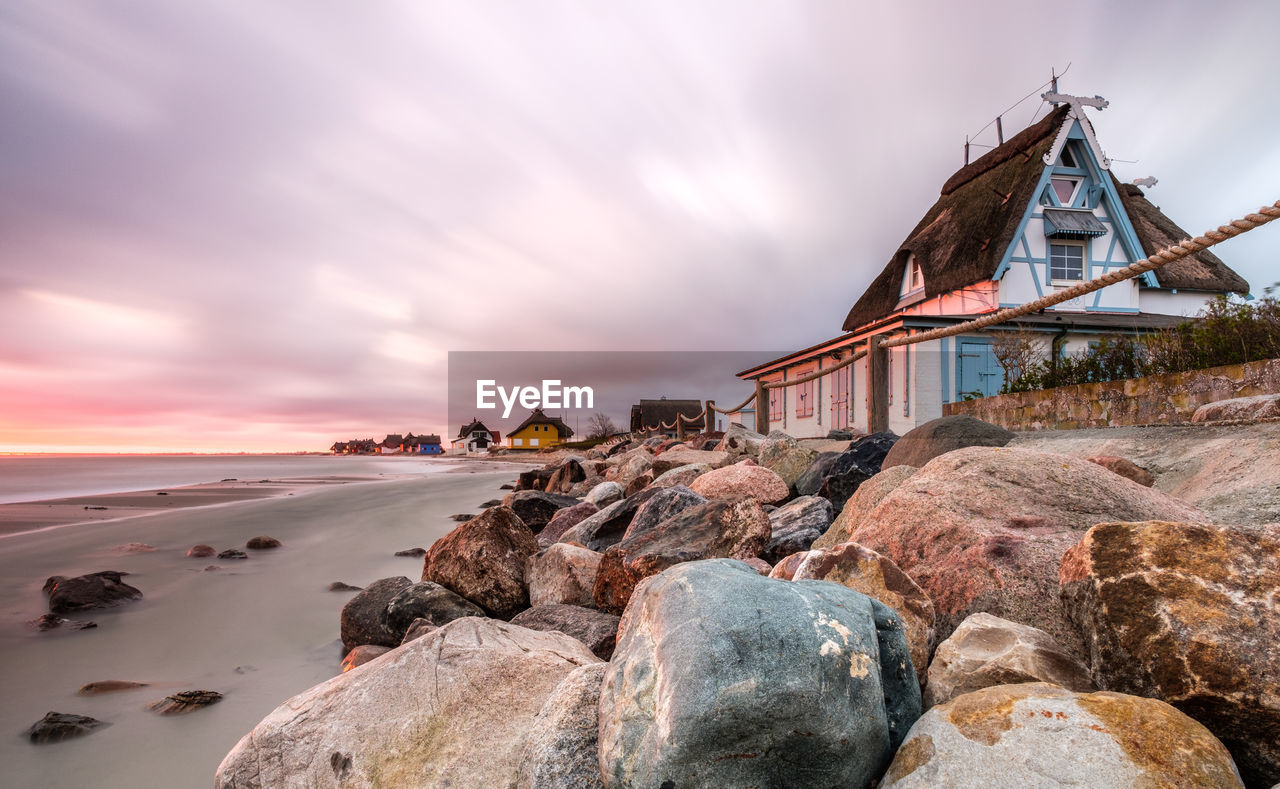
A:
x,y
742,479
563,478
986,650
262,543
85,592
774,446
759,565
342,586
1041,735
1187,613
596,629
536,508
47,622
1125,468
663,504
795,525
940,436
417,629
723,677
630,466
705,440
364,617
185,702
483,560
792,465
413,553
461,517
841,476
564,520
604,494
680,475
562,573
785,569
533,479
608,526
361,655
233,553
639,483
1239,409
201,551
684,456
59,726
863,570
738,440
729,528
560,748
863,501
984,528
449,709
426,600
581,489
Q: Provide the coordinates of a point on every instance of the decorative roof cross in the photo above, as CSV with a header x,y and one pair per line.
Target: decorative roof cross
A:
x,y
1077,104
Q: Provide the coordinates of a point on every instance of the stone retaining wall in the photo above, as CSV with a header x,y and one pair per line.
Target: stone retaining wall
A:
x,y
1158,399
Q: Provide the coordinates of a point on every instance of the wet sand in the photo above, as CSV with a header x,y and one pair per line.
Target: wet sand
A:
x,y
258,630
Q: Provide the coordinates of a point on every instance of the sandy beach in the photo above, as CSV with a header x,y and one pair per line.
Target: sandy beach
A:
x,y
257,630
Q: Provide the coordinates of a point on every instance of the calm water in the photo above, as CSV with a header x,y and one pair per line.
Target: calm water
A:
x,y
38,477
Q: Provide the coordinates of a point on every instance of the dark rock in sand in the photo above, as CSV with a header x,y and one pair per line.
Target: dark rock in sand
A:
x,y
491,503
537,508
418,629
461,517
413,552
185,702
84,592
339,586
133,547
361,655
363,619
596,629
233,553
506,487
108,686
483,560
563,521
609,525
212,568
940,436
262,543
52,621
59,726
430,601
201,551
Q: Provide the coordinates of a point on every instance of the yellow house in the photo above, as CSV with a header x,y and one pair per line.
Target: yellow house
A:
x,y
539,431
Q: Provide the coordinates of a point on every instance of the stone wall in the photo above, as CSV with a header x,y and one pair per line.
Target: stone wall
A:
x,y
1158,399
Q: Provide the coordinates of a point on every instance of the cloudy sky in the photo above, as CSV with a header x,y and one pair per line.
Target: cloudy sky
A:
x,y
261,226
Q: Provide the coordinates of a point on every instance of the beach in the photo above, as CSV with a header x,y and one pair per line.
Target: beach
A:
x,y
257,630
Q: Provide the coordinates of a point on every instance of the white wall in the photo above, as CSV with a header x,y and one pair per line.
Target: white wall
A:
x,y
1167,302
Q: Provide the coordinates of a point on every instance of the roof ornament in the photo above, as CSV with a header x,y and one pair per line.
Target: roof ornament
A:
x,y
1077,104
1147,182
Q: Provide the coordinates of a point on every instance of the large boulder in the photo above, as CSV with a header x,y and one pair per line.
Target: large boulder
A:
x,y
792,465
940,436
986,650
449,709
683,456
983,529
1041,735
1239,409
609,525
84,592
596,629
859,463
560,750
536,508
629,466
795,525
426,600
483,560
535,479
564,520
562,573
604,494
742,479
705,440
1187,613
863,570
729,528
662,505
566,475
364,617
864,500
723,677
680,475
738,440
810,481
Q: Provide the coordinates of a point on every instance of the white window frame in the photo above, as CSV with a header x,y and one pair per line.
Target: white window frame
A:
x,y
1084,261
1077,182
913,267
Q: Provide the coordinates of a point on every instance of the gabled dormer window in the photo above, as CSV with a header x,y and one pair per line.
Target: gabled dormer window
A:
x,y
1065,189
1067,159
912,277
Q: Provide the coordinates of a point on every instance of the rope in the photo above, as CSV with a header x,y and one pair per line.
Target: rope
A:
x,y
738,407
813,376
1167,255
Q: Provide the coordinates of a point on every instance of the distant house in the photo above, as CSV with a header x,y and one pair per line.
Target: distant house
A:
x,y
652,414
539,431
1033,216
392,444
429,445
475,437
340,447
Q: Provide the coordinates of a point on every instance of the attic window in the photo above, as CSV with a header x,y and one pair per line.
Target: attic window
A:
x,y
1067,160
912,277
1065,189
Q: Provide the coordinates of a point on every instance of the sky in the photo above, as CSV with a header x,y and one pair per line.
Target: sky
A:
x,y
246,226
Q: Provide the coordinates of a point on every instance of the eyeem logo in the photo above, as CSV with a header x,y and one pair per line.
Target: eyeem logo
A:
x,y
549,396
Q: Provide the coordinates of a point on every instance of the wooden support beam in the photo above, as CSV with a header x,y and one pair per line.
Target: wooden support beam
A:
x,y
877,385
709,423
762,408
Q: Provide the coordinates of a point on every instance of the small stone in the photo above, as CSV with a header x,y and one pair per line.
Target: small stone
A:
x,y
185,702
108,686
212,568
201,551
59,726
461,517
133,547
417,629
491,503
1125,468
363,654
262,543
53,621
339,586
233,553
414,553
506,487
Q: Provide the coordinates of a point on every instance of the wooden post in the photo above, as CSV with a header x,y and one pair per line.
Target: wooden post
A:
x,y
709,422
877,385
762,408
679,427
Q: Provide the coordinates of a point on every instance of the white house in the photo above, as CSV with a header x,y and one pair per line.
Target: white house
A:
x,y
474,437
1037,214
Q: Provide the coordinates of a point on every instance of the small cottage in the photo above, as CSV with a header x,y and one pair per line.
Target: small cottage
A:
x,y
474,437
539,431
653,414
429,445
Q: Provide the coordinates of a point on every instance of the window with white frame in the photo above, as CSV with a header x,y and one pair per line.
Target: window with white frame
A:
x,y
1065,189
912,277
1066,262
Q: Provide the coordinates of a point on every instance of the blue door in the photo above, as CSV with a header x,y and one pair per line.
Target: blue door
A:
x,y
978,374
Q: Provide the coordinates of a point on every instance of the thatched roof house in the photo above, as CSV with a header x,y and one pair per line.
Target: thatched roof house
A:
x,y
652,414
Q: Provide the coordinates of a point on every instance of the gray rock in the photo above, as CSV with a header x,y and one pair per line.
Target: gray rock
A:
x,y
414,553
426,600
59,726
341,586
609,525
563,521
940,436
563,574
604,494
598,630
738,440
84,592
723,677
560,750
233,553
535,507
664,504
363,619
680,475
185,702
795,526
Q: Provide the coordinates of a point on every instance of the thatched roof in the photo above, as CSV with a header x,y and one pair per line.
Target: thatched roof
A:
x,y
539,418
1201,271
471,427
962,238
654,413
